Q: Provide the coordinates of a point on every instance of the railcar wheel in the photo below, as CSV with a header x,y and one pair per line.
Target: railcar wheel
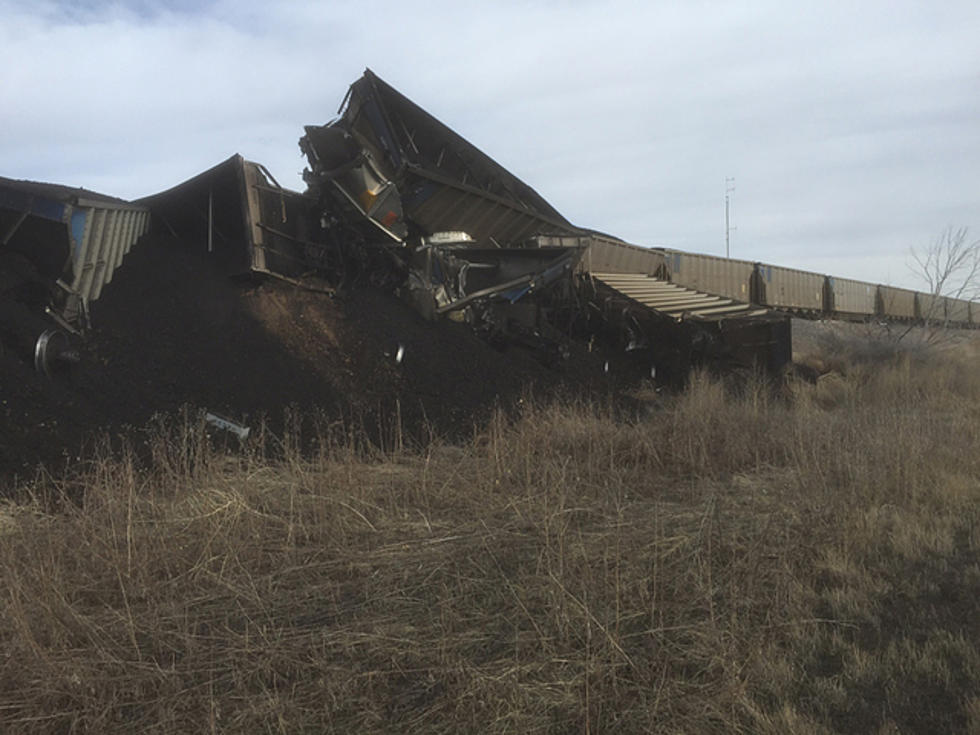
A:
x,y
52,352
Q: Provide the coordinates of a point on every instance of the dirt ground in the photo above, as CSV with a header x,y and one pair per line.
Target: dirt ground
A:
x,y
171,330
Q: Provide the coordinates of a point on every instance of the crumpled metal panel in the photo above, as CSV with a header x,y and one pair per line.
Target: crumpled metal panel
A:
x,y
384,141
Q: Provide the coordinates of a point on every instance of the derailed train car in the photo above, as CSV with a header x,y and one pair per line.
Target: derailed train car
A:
x,y
445,220
389,162
59,247
508,268
397,200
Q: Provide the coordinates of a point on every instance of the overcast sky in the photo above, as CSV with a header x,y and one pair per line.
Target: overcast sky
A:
x,y
852,130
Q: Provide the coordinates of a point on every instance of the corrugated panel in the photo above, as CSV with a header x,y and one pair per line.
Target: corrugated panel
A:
x,y
853,297
94,235
607,255
673,300
788,288
100,244
610,256
711,274
897,302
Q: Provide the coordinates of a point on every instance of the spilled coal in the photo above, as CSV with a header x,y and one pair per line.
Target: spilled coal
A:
x,y
172,330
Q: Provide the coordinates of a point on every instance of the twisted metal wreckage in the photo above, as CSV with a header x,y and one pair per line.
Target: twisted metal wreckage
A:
x,y
397,200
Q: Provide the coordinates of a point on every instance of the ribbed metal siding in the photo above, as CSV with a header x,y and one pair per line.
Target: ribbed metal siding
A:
x,y
853,297
673,300
109,234
897,302
711,274
609,256
788,288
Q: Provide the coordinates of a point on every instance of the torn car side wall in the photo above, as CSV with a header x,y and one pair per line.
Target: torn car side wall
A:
x,y
444,183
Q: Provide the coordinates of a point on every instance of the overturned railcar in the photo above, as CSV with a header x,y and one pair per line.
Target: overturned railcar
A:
x,y
445,222
59,246
412,175
239,214
507,269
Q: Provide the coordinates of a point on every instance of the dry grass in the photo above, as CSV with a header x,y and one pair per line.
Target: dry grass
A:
x,y
726,563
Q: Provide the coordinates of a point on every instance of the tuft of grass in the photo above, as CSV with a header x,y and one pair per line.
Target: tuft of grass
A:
x,y
734,560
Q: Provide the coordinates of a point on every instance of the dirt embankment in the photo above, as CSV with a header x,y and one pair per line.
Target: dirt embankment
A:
x,y
172,329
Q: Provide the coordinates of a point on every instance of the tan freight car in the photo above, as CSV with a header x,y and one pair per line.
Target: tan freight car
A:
x,y
613,256
711,274
957,310
852,297
788,288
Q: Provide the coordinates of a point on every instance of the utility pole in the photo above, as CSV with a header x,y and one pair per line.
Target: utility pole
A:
x,y
729,188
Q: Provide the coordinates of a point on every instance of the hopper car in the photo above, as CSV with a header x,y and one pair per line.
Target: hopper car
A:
x,y
58,247
800,293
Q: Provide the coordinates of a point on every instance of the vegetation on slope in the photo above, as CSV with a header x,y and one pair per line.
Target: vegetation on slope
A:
x,y
731,560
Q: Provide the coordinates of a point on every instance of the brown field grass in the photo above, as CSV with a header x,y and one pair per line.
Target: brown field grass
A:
x,y
731,560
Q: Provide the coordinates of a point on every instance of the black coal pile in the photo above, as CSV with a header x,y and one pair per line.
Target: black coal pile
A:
x,y
171,330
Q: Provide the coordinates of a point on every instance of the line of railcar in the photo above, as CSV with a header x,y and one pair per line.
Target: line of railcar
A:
x,y
803,293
